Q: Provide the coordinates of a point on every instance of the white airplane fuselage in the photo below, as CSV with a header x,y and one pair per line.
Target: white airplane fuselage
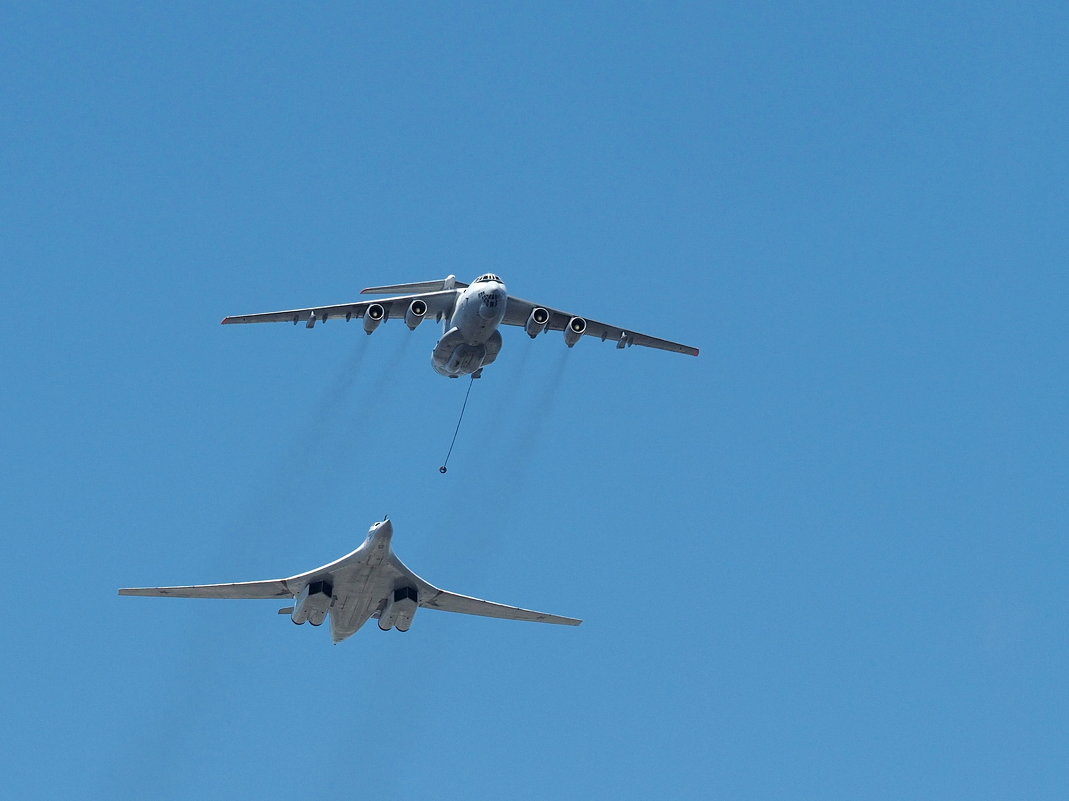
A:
x,y
369,582
364,582
470,339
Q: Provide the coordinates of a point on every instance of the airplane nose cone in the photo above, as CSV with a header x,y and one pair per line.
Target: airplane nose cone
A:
x,y
383,528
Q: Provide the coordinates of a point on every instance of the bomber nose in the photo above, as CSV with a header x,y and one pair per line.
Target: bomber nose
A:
x,y
383,528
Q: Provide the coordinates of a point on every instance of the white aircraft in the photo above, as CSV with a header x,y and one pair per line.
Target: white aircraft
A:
x,y
470,315
370,582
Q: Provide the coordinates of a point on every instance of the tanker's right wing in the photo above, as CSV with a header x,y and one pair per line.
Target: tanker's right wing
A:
x,y
436,303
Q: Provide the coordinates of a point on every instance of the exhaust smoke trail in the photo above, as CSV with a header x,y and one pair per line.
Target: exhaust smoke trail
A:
x,y
298,466
191,684
527,434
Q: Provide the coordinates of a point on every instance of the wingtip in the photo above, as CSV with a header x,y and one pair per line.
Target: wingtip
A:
x,y
224,321
696,351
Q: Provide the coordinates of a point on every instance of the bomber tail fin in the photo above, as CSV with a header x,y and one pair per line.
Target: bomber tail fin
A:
x,y
449,282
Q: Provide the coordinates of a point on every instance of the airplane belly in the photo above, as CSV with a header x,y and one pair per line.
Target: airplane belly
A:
x,y
453,356
346,619
354,602
472,340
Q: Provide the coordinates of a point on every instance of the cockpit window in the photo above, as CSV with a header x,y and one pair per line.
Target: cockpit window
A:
x,y
487,277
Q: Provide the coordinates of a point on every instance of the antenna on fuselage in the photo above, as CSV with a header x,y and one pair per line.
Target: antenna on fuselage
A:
x,y
445,465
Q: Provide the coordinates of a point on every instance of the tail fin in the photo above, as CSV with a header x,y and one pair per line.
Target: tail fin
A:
x,y
449,282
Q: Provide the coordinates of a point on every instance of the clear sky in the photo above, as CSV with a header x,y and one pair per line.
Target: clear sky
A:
x,y
825,559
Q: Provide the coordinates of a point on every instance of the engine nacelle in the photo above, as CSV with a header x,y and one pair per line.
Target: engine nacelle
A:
x,y
400,609
313,603
537,322
373,316
576,328
415,313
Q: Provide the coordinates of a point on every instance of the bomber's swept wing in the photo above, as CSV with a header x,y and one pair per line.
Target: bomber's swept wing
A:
x,y
432,597
437,303
274,588
451,602
270,588
518,310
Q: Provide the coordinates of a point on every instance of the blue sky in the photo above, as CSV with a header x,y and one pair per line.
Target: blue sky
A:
x,y
825,559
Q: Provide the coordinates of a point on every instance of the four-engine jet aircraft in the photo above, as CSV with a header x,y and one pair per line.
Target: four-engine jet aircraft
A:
x,y
370,582
470,315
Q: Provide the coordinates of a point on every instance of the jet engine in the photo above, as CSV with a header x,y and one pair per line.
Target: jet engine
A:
x,y
401,606
313,603
415,313
374,315
537,322
576,328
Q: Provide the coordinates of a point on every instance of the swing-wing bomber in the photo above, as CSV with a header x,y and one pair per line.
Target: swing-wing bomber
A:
x,y
371,582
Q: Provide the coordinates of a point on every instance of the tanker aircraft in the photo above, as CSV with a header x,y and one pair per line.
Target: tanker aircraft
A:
x,y
370,582
470,315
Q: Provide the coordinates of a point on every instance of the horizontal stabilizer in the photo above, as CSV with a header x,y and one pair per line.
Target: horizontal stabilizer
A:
x,y
423,286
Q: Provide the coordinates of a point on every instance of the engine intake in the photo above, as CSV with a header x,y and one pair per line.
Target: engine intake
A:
x,y
313,603
537,322
576,328
400,609
415,313
373,316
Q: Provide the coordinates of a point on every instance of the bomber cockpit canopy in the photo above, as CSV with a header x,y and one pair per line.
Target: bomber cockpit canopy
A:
x,y
487,277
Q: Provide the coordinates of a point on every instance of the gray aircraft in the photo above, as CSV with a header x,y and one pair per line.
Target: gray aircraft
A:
x,y
470,315
370,582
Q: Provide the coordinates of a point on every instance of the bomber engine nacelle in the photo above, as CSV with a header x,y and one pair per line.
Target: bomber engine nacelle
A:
x,y
313,603
415,313
400,609
576,328
537,322
373,316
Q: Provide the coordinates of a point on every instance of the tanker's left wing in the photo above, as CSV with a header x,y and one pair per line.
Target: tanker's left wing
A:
x,y
518,311
437,303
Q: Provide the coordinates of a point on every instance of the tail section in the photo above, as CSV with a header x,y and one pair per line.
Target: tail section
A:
x,y
449,282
